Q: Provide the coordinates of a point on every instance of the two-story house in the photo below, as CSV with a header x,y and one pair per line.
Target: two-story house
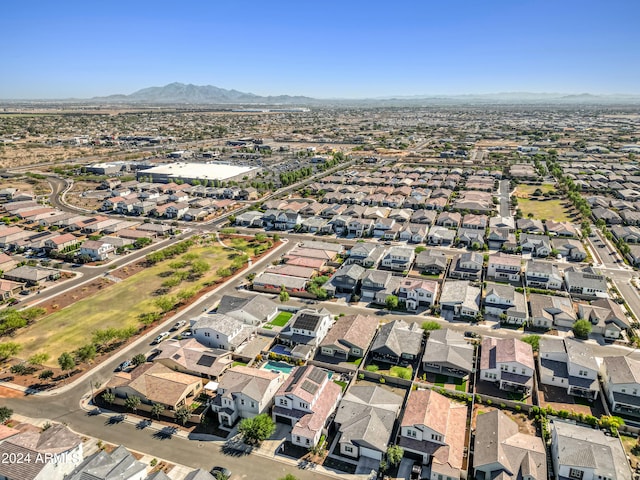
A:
x,y
360,227
377,285
221,331
397,343
96,249
550,310
570,365
585,283
621,381
431,262
543,275
537,245
245,392
399,259
418,293
606,317
349,337
504,267
508,363
467,266
305,331
505,300
305,401
460,299
433,427
367,255
448,353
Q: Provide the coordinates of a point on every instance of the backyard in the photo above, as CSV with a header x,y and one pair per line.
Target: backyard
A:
x,y
123,304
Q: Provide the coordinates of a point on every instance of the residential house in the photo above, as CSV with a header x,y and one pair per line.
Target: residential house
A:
x,y
579,452
253,310
448,353
585,283
62,243
397,343
537,245
245,392
475,222
530,225
433,427
606,316
504,267
550,310
249,219
103,465
570,365
621,382
377,285
418,293
440,236
96,249
426,217
31,275
471,238
367,255
609,217
346,279
399,259
569,248
360,227
365,419
561,229
414,233
221,331
628,233
305,331
273,282
191,357
467,266
384,225
449,220
508,363
431,262
155,383
502,451
505,300
9,289
305,401
50,454
544,275
349,337
460,299
502,239
505,223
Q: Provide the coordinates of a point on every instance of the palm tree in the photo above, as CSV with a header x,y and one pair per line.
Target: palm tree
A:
x,y
156,410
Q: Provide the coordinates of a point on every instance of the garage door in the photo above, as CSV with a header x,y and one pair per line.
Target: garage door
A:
x,y
285,420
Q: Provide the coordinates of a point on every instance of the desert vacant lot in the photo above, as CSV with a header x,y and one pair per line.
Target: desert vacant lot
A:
x,y
119,305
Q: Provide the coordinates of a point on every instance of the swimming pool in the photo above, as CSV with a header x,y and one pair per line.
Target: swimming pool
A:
x,y
281,350
283,367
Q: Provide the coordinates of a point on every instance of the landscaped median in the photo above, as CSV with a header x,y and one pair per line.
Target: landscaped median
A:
x,y
99,317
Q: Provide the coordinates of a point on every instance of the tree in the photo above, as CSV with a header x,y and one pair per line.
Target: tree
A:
x,y
582,328
395,454
156,409
109,397
391,302
533,340
257,429
165,303
133,403
284,295
430,325
139,359
66,362
86,353
182,414
38,359
9,349
45,374
5,414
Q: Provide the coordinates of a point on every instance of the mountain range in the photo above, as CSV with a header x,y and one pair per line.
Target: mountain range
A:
x,y
181,94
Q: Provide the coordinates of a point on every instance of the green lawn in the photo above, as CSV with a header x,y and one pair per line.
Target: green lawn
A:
x,y
529,189
239,363
343,385
356,362
117,305
401,372
281,319
544,210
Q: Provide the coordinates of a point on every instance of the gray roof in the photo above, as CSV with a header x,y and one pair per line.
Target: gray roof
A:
x,y
498,441
450,347
117,465
217,322
585,447
577,352
354,271
366,416
257,306
461,292
199,475
622,369
399,337
586,278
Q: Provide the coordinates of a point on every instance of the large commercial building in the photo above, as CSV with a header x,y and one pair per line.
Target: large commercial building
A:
x,y
188,172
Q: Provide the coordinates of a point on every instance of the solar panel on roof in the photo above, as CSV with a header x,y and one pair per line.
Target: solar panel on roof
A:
x,y
317,375
307,321
309,387
206,360
177,356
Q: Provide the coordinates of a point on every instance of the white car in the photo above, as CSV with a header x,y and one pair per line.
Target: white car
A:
x,y
161,337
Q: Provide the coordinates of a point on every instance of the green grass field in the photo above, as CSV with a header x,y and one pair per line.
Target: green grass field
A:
x,y
529,189
117,305
544,210
281,319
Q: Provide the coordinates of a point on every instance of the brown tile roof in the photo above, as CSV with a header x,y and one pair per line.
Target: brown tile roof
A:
x,y
357,330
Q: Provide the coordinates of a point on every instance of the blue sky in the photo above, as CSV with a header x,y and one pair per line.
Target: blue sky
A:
x,y
348,49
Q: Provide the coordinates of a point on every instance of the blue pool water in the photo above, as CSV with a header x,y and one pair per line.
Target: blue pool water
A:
x,y
281,350
278,366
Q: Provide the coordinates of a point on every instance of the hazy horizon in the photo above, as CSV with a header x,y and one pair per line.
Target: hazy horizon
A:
x,y
345,50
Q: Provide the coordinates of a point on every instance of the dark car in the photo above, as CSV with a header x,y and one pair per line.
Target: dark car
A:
x,y
220,473
471,334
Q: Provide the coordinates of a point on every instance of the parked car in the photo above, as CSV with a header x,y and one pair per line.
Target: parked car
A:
x,y
471,334
416,471
186,333
218,472
123,366
161,337
178,325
